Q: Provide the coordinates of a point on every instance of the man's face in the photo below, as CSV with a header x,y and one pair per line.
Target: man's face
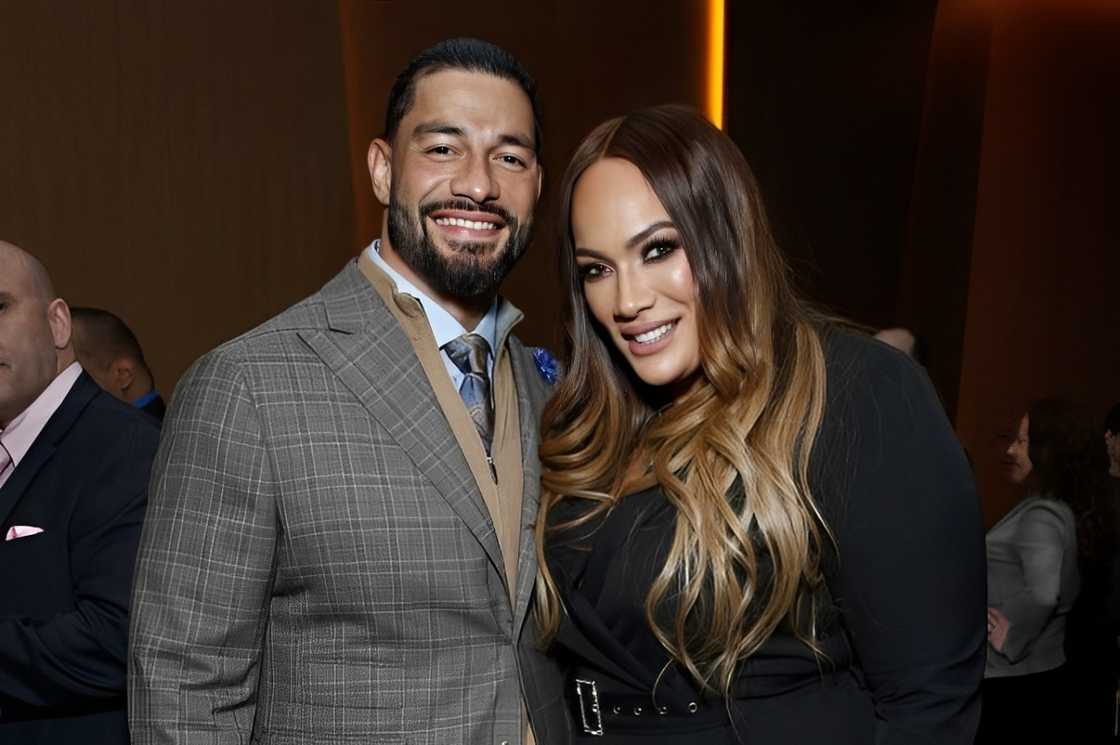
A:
x,y
463,182
28,361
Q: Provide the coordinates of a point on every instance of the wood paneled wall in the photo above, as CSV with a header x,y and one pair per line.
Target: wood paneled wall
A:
x,y
196,167
184,165
1043,314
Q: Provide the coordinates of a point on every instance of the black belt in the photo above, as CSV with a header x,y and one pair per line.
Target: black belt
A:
x,y
597,712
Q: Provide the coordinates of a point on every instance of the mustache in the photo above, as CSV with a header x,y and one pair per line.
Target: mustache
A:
x,y
466,205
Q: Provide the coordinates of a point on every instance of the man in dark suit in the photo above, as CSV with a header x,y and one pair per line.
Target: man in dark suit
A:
x,y
74,466
111,354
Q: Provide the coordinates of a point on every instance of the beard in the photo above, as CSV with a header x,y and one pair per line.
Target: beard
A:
x,y
473,269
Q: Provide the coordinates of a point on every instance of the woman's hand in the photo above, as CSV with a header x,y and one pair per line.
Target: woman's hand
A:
x,y
998,624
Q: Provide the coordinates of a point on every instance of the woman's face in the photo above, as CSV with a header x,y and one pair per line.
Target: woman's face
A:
x,y
635,274
1112,450
1017,459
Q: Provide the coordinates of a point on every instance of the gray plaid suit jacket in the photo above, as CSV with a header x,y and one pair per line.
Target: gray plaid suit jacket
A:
x,y
317,564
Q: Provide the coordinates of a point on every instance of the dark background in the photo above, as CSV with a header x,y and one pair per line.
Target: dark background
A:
x,y
197,167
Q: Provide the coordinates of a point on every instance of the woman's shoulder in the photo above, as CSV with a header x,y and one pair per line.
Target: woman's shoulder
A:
x,y
1047,508
848,350
864,373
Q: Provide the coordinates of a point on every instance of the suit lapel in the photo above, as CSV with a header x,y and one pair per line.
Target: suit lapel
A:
x,y
528,383
370,353
42,450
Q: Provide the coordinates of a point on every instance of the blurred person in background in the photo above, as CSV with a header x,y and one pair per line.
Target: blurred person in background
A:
x,y
1034,578
74,465
111,354
1112,441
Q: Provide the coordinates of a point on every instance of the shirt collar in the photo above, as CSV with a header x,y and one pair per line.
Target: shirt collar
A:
x,y
445,326
146,399
21,432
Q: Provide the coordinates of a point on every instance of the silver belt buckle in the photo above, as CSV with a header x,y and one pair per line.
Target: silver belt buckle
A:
x,y
588,694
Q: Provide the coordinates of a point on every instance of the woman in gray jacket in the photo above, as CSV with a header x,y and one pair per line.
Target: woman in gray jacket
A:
x,y
1033,579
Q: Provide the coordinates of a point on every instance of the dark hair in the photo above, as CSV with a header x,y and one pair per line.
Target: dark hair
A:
x,y
1112,420
105,337
470,55
1065,464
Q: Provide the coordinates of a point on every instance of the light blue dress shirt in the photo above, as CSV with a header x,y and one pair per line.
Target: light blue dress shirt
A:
x,y
445,326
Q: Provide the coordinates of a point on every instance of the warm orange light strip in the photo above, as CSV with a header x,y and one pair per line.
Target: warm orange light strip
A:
x,y
716,13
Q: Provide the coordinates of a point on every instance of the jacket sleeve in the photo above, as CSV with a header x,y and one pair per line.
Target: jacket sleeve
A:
x,y
1039,545
205,568
77,656
911,578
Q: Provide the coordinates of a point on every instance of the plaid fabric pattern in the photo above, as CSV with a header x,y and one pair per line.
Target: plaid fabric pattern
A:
x,y
317,564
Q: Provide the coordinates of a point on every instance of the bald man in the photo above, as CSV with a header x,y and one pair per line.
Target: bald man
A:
x,y
74,466
111,354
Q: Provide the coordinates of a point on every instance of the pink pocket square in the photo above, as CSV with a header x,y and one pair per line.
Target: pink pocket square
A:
x,y
21,531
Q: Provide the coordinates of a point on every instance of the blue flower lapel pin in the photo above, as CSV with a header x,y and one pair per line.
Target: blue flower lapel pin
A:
x,y
547,365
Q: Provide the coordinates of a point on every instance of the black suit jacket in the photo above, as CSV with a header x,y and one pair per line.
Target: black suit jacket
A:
x,y
156,407
64,592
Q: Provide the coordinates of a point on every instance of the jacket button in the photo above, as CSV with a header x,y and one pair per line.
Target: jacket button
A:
x,y
637,711
692,707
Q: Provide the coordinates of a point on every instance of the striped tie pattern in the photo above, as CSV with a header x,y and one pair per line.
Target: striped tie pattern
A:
x,y
5,460
469,353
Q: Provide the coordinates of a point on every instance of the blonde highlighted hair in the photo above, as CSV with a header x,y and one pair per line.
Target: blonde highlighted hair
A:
x,y
732,453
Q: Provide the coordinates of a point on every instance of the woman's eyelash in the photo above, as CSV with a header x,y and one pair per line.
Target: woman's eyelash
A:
x,y
659,248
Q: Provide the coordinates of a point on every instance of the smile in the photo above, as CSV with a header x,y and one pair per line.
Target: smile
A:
x,y
653,335
455,222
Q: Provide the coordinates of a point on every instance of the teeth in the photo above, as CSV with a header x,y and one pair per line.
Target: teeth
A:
x,y
459,223
653,334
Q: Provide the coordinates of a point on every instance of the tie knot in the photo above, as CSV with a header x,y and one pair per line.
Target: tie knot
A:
x,y
468,352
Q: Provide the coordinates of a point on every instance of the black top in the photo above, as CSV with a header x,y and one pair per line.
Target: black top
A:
x,y
901,621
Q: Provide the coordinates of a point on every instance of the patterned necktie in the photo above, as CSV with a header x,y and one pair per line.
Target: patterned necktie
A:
x,y
469,352
5,460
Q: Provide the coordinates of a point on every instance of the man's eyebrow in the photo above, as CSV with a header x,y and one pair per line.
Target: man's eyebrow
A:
x,y
445,128
437,128
516,141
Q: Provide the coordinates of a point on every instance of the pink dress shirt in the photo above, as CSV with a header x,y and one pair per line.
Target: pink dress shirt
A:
x,y
20,434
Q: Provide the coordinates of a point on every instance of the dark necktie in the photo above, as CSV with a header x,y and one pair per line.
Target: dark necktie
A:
x,y
469,352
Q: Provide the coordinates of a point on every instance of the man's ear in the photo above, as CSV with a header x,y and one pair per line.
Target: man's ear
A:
x,y
540,179
379,160
123,373
58,316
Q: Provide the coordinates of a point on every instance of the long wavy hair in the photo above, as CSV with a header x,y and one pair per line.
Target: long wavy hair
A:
x,y
731,453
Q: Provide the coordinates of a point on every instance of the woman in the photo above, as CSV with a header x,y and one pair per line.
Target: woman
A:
x,y
754,527
1033,577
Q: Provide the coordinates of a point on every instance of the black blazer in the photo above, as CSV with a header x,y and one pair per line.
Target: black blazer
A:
x,y
64,592
156,407
901,624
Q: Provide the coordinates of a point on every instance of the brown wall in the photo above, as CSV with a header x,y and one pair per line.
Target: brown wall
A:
x,y
196,167
825,100
1043,317
184,165
945,166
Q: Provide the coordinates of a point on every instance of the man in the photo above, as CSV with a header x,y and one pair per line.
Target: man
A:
x,y
339,543
74,465
109,351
